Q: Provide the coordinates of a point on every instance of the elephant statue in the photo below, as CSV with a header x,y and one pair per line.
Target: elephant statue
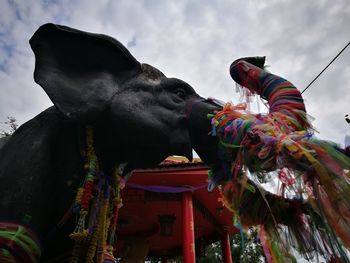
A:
x,y
135,117
138,116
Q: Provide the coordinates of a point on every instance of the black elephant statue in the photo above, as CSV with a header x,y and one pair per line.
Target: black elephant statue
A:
x,y
138,116
111,110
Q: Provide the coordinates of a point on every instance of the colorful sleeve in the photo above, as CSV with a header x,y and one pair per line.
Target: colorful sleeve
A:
x,y
282,95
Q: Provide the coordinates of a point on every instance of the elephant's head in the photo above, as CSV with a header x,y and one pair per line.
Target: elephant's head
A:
x,y
139,115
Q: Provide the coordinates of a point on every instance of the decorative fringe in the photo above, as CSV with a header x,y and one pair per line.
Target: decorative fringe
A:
x,y
258,144
314,172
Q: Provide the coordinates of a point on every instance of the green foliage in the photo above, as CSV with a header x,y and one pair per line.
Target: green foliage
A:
x,y
212,254
252,252
12,126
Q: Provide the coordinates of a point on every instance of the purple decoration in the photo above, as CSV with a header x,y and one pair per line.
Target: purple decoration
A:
x,y
165,189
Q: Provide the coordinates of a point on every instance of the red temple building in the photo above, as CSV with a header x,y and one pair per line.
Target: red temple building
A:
x,y
169,212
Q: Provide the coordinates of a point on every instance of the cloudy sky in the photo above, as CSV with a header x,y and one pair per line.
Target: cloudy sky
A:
x,y
195,41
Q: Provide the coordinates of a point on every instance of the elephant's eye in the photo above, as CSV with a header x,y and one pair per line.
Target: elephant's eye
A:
x,y
180,93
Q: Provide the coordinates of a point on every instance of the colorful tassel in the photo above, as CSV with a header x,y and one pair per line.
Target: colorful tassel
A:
x,y
316,172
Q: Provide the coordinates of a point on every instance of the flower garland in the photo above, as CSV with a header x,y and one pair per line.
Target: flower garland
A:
x,y
98,202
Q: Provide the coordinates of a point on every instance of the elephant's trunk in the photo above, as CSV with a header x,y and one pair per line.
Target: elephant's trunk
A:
x,y
282,95
200,127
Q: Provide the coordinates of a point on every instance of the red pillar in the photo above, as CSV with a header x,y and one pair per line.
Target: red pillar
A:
x,y
188,249
226,248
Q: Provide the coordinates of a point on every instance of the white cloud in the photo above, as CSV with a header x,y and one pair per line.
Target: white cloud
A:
x,y
194,41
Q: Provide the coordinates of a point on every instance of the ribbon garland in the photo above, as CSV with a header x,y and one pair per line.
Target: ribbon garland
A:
x,y
281,141
18,244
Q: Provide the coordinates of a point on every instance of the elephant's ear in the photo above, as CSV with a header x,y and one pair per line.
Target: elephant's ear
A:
x,y
80,71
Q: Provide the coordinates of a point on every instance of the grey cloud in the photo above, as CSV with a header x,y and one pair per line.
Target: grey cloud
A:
x,y
131,43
